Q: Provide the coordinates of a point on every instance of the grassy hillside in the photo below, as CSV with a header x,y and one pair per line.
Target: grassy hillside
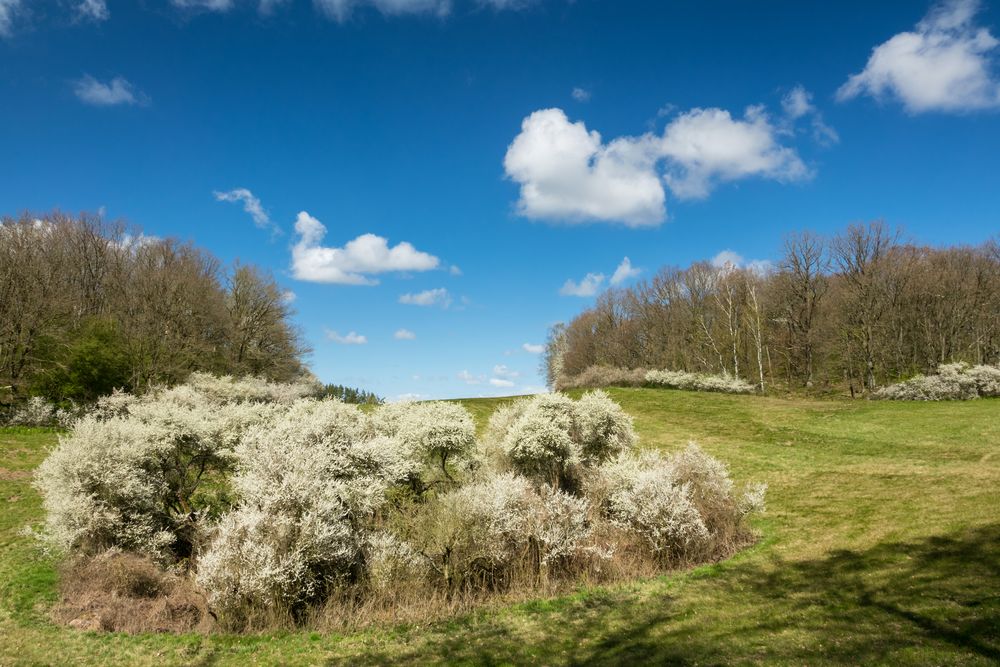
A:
x,y
881,545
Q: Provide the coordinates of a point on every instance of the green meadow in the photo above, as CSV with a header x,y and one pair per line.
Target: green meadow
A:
x,y
880,545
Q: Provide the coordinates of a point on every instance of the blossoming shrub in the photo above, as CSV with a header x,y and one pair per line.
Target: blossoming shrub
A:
x,y
547,437
952,382
698,382
281,508
603,376
437,434
684,506
131,474
36,411
608,376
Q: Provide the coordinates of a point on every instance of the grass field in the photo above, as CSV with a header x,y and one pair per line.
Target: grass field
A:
x,y
881,545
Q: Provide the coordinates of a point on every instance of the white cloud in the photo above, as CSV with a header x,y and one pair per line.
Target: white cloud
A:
x,y
797,104
468,378
116,91
8,9
945,64
204,5
532,348
730,259
586,287
625,271
352,338
431,297
341,10
727,258
704,147
405,398
567,173
251,205
95,10
356,262
500,370
581,94
288,296
454,270
500,382
404,334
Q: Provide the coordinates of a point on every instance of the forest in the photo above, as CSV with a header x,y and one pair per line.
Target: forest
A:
x,y
852,312
87,306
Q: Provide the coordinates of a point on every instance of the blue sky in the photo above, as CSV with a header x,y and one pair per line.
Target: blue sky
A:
x,y
464,130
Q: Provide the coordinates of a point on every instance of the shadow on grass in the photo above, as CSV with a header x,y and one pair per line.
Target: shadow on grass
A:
x,y
935,600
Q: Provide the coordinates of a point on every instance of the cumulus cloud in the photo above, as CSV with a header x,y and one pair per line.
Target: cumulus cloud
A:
x,y
8,10
946,63
500,382
533,348
568,173
581,94
356,262
404,334
352,338
430,297
586,287
704,147
625,271
288,296
94,10
251,205
116,91
454,270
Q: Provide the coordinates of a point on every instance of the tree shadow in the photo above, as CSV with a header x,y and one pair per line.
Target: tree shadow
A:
x,y
935,599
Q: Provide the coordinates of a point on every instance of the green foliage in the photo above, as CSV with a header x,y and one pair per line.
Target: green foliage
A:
x,y
352,395
91,364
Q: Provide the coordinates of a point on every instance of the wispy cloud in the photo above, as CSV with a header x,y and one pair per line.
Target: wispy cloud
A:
x,y
352,338
625,271
115,92
251,205
532,348
581,94
404,334
93,10
8,10
432,297
586,287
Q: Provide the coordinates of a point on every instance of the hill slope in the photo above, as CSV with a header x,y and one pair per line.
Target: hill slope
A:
x,y
881,544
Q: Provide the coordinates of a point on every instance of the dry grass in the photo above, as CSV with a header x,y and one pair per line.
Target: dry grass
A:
x,y
120,592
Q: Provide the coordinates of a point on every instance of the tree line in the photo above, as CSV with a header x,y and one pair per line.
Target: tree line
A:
x,y
856,310
87,306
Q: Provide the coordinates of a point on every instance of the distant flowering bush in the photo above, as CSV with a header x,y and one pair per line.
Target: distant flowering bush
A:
x,y
699,382
603,376
952,382
277,503
607,376
36,411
